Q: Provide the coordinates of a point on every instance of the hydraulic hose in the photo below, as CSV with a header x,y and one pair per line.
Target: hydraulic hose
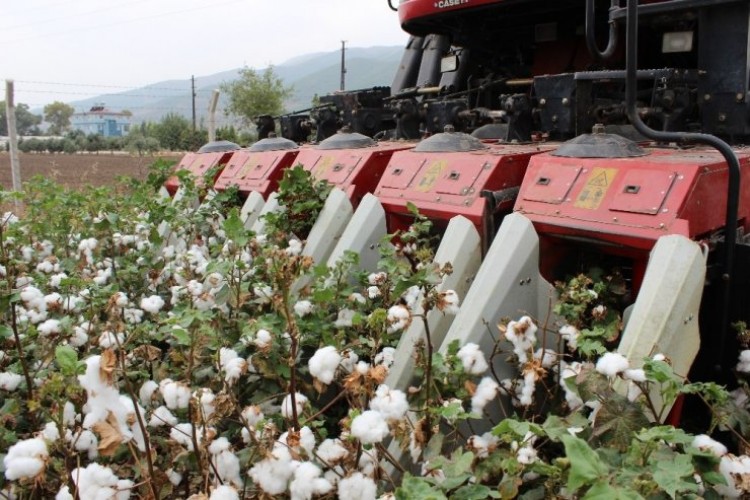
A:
x,y
733,195
390,4
591,32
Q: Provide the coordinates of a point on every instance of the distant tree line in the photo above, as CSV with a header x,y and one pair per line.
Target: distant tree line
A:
x,y
251,95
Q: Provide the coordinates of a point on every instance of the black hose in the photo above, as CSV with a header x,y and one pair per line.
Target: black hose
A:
x,y
390,4
591,32
733,195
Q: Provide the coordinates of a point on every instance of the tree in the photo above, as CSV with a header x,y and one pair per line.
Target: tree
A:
x,y
254,94
27,123
58,116
171,130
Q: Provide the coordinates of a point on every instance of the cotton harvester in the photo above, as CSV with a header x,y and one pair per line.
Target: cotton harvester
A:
x,y
554,153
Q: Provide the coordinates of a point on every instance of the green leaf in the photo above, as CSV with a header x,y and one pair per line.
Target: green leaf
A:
x,y
517,428
235,229
602,490
670,475
474,492
6,332
181,335
67,359
585,465
415,488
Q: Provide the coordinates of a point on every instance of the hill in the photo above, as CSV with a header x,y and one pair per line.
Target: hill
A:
x,y
309,74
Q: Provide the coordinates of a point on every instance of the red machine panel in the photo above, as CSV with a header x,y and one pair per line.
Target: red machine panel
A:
x,y
356,171
414,10
443,185
197,164
258,171
628,203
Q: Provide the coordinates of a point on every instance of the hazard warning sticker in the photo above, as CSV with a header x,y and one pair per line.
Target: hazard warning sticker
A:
x,y
597,184
431,175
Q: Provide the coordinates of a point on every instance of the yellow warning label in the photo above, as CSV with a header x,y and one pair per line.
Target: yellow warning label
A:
x,y
431,175
597,184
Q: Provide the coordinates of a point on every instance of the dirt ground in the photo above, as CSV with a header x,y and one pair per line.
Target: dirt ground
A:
x,y
77,171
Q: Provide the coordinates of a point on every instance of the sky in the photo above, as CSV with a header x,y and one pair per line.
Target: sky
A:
x,y
68,50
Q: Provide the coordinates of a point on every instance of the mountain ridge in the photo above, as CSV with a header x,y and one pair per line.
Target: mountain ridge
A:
x,y
308,74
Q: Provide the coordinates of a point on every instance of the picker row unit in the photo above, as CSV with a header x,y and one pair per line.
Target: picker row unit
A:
x,y
576,156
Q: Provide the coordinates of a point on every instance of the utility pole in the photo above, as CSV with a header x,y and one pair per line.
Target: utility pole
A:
x,y
10,111
343,65
212,115
192,94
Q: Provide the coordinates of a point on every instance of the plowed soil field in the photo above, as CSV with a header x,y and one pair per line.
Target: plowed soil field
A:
x,y
77,171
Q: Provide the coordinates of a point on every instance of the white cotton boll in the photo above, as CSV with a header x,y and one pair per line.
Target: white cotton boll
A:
x,y
612,363
183,434
263,339
272,474
705,443
473,359
124,488
307,482
64,493
369,427
377,278
25,459
548,357
373,292
110,340
522,334
174,477
226,355
49,327
218,445
357,298
743,365
50,432
527,455
357,486
132,315
391,403
349,361
345,318
252,415
56,279
736,472
635,374
570,335
146,392
10,381
294,248
362,367
483,445
286,405
331,452
53,300
486,391
206,397
306,441
385,357
152,304
69,414
323,364
176,394
527,388
398,318
234,369
162,416
224,492
659,357
228,467
448,302
302,308
85,441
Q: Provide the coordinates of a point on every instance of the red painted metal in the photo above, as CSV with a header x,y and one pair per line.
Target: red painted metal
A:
x,y
443,185
628,203
197,164
411,10
355,171
258,171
